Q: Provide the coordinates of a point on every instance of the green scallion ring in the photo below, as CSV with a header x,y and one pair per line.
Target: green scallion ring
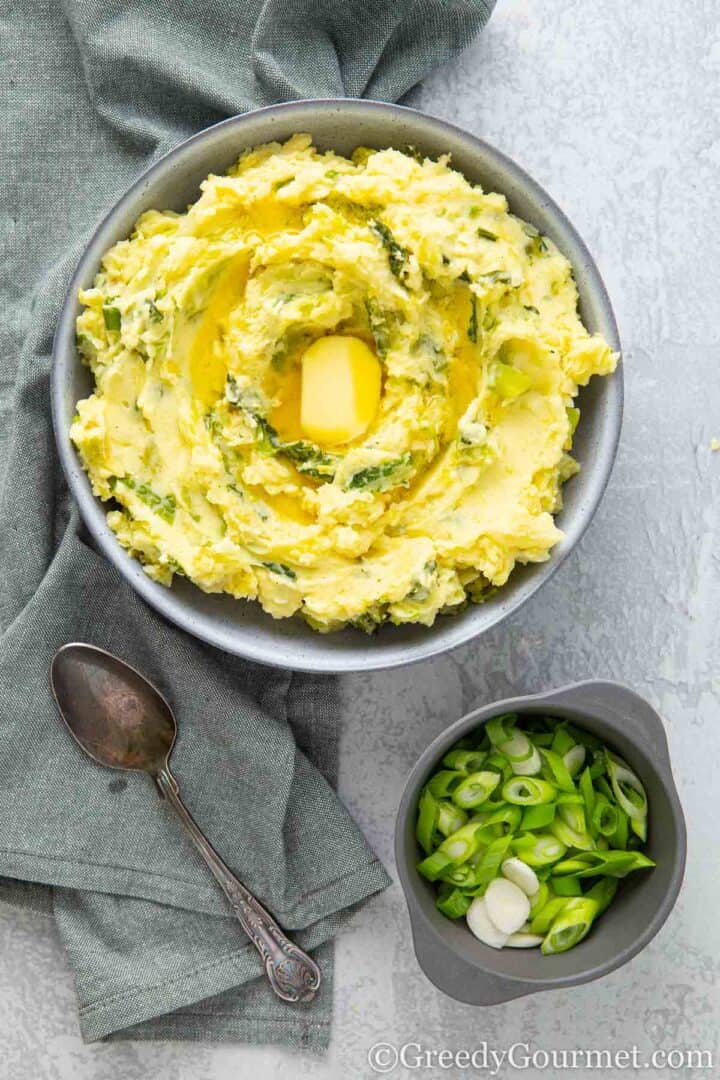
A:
x,y
528,791
475,789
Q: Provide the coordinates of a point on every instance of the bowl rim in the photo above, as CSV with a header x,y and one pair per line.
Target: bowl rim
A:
x,y
655,754
165,601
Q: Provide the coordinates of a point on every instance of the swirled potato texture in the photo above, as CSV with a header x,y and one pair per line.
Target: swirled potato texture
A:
x,y
196,328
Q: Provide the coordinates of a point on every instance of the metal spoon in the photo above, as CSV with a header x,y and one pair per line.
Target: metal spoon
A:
x,y
123,721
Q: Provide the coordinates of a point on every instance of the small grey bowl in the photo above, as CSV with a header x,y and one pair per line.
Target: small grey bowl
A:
x,y
172,183
460,965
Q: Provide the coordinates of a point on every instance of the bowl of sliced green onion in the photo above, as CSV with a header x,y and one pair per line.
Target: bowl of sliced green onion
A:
x,y
540,842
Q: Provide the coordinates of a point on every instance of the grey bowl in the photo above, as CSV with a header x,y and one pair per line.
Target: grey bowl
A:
x,y
469,971
243,628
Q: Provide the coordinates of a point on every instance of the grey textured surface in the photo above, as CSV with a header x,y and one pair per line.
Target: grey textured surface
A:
x,y
612,108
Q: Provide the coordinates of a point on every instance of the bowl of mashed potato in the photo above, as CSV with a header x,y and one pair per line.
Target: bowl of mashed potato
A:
x,y
335,386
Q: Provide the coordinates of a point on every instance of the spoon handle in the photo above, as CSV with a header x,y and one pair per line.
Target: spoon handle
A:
x,y
292,974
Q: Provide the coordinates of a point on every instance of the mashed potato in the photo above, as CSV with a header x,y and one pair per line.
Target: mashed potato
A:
x,y
195,330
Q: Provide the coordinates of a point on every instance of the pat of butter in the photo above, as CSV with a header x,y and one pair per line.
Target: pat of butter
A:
x,y
340,395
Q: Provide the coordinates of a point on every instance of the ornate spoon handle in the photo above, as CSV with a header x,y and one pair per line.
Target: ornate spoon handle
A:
x,y
292,974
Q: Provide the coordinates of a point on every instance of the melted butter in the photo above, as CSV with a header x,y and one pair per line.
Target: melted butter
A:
x,y
206,365
286,390
463,379
289,507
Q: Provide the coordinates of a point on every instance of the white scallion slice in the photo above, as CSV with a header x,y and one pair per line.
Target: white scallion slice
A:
x,y
522,875
522,755
514,744
507,905
481,925
529,766
627,787
522,940
574,759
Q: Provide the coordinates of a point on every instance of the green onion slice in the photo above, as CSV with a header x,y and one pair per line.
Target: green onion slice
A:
x,y
570,798
489,866
461,844
537,817
562,740
465,761
545,917
604,788
112,317
605,817
541,738
570,837
585,786
449,818
627,787
571,926
462,877
603,893
619,838
539,899
454,904
581,736
556,770
538,849
499,763
500,728
566,886
489,833
571,810
606,863
505,818
444,782
597,768
434,865
574,759
475,789
528,791
427,818
573,416
639,827
496,803
515,745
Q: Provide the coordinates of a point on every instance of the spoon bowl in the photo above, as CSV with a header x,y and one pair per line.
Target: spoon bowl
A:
x,y
117,716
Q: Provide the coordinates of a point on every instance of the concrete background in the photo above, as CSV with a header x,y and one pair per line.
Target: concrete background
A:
x,y
614,108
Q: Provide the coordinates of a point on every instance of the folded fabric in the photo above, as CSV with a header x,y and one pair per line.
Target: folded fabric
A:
x,y
95,91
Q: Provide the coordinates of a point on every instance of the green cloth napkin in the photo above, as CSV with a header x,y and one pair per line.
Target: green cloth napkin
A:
x,y
93,90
